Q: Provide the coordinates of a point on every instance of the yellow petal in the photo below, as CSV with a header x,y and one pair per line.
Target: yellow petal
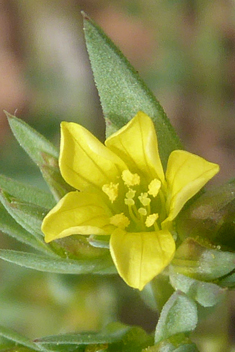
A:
x,y
84,160
77,213
139,257
136,143
186,174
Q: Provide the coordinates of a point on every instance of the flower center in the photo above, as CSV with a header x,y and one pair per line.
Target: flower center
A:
x,y
137,207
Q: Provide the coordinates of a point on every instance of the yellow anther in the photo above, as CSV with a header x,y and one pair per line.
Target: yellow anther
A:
x,y
142,211
111,190
129,201
144,200
130,194
154,187
150,220
120,220
130,179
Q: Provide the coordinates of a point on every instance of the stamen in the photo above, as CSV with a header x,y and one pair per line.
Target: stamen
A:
x,y
120,220
144,200
131,193
111,190
154,187
130,179
142,211
129,201
150,220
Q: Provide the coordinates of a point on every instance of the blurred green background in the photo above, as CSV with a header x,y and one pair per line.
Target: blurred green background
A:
x,y
185,52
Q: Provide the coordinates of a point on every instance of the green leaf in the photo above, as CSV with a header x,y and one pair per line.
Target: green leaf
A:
x,y
122,92
28,215
111,335
17,338
178,316
9,226
42,152
206,294
101,265
30,140
202,263
122,338
26,193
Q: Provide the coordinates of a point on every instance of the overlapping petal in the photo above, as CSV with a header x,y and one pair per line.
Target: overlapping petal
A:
x,y
186,174
84,160
77,213
140,256
101,207
136,143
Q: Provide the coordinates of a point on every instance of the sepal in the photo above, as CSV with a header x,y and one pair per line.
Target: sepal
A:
x,y
201,262
205,293
210,218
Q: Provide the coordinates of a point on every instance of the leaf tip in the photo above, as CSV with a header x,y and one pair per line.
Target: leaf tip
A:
x,y
85,16
8,115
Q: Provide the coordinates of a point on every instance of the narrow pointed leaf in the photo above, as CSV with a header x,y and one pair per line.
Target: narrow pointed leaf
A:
x,y
42,152
83,338
26,193
30,140
10,227
102,265
115,337
17,338
28,215
121,90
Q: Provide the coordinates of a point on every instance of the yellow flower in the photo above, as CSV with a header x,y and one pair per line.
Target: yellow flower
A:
x,y
125,194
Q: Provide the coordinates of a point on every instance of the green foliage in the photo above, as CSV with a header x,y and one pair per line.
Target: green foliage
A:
x,y
204,263
115,337
27,193
102,265
18,339
178,316
205,293
121,90
28,215
42,152
9,226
